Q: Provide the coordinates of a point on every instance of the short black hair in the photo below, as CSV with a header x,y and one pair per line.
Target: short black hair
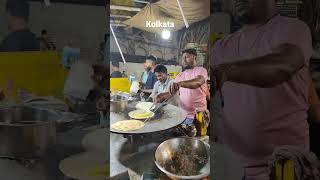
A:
x,y
18,8
43,31
152,58
115,64
160,69
190,51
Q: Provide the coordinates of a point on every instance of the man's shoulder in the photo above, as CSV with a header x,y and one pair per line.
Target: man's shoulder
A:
x,y
11,37
157,83
222,43
179,77
116,74
11,42
280,18
290,23
170,80
179,74
24,33
153,75
200,69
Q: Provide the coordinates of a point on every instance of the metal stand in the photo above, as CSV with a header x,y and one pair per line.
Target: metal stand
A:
x,y
134,142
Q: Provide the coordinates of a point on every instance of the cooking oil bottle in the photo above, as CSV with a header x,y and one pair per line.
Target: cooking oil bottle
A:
x,y
200,123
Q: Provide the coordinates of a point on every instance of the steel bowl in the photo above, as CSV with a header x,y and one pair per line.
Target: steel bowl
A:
x,y
27,132
191,148
118,103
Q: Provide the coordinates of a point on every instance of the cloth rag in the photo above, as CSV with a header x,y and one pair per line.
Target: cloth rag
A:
x,y
306,166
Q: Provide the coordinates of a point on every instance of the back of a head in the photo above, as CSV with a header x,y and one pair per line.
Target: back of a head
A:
x,y
18,8
160,69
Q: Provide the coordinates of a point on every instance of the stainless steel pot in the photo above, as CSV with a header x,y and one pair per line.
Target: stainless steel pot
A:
x,y
118,103
191,148
26,132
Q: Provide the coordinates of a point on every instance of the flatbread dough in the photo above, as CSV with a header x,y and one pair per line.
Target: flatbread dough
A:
x,y
141,114
127,125
86,166
145,106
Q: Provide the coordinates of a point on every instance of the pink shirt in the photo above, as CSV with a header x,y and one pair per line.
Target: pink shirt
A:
x,y
259,119
190,99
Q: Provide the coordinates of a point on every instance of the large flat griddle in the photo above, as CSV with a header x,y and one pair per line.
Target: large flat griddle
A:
x,y
168,117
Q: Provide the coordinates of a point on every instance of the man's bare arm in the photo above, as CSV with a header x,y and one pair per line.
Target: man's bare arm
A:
x,y
162,96
266,71
193,83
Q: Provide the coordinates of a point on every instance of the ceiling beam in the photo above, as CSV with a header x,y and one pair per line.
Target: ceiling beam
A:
x,y
140,1
115,21
118,25
124,8
120,16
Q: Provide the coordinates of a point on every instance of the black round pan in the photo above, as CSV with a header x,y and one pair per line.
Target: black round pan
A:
x,y
168,117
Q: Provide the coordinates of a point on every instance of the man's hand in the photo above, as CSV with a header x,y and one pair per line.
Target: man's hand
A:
x,y
156,99
161,97
174,88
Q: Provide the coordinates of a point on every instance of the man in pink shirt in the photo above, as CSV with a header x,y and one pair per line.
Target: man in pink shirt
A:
x,y
262,73
191,84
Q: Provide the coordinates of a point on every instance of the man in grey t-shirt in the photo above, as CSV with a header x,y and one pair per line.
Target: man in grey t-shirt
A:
x,y
163,84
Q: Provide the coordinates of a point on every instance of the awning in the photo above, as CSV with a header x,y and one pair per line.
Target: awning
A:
x,y
156,17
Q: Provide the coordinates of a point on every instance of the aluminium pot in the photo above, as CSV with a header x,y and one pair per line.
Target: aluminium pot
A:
x,y
27,132
118,103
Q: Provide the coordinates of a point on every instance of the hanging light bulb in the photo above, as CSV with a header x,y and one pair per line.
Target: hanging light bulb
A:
x,y
166,34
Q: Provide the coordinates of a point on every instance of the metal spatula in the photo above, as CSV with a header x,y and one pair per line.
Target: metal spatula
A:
x,y
162,104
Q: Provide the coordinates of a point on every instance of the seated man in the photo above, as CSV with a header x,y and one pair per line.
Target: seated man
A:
x,y
115,70
148,79
163,84
20,37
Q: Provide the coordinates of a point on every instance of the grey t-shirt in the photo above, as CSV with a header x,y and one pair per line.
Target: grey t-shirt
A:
x,y
160,87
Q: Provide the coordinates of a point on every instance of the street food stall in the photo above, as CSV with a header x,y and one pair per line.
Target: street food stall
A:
x,y
146,141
